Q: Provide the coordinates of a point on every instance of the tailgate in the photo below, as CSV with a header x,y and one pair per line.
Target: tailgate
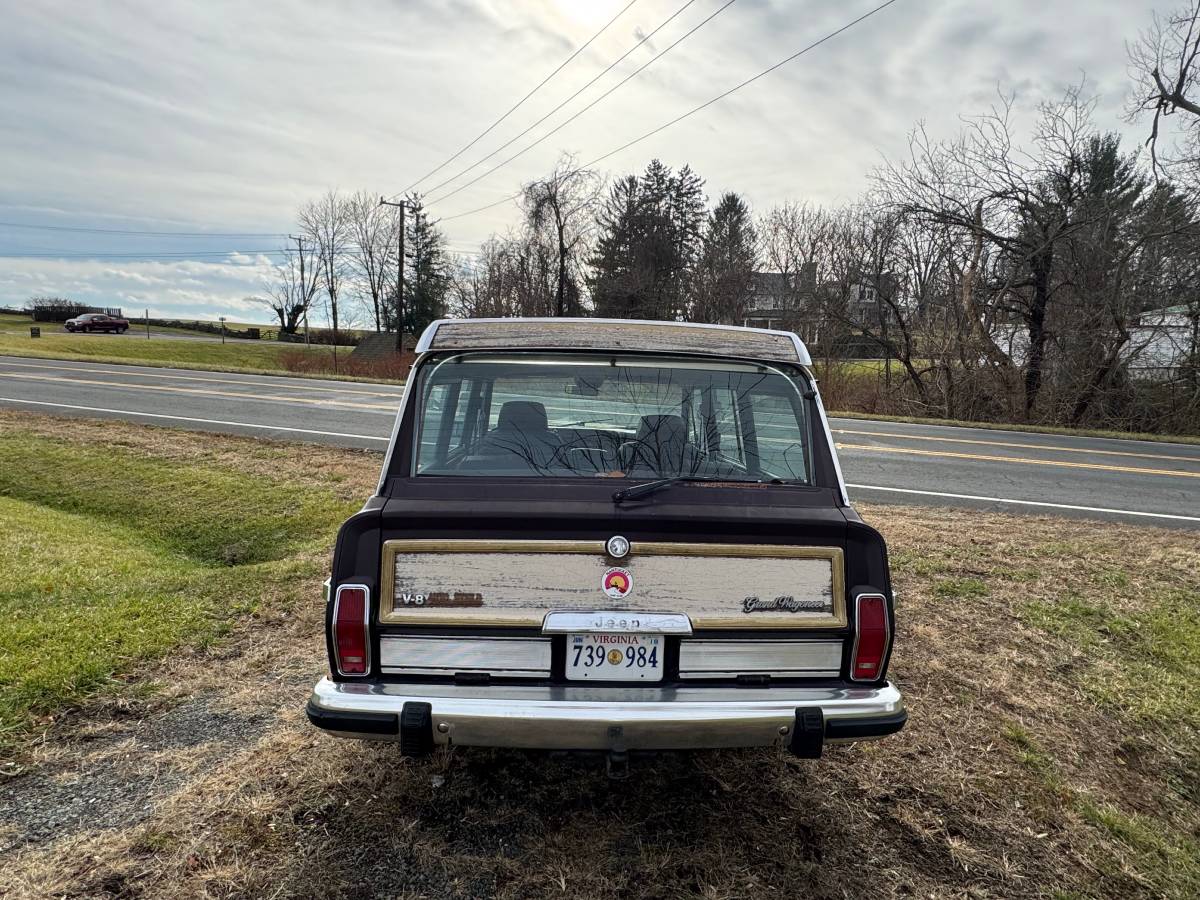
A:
x,y
516,582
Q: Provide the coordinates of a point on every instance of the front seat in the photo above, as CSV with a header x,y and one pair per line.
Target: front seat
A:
x,y
662,446
521,436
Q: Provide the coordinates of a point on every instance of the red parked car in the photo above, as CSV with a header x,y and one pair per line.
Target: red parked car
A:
x,y
97,322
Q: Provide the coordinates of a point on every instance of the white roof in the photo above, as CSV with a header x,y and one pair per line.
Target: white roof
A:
x,y
614,334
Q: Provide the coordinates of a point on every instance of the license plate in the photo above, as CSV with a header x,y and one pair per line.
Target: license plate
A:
x,y
614,657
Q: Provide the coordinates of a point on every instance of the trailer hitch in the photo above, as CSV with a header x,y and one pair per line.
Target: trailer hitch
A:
x,y
618,765
808,734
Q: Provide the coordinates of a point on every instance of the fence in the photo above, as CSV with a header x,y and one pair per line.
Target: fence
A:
x,y
249,333
61,311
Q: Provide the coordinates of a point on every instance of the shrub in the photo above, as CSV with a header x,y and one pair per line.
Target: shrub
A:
x,y
392,368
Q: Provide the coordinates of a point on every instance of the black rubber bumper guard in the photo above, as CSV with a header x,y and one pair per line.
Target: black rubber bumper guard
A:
x,y
812,729
414,725
357,723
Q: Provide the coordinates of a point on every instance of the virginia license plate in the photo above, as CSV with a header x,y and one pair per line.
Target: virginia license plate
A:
x,y
614,657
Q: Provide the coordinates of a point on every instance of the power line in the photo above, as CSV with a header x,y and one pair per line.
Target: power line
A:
x,y
609,68
88,230
135,255
694,110
472,212
182,255
568,121
517,105
738,87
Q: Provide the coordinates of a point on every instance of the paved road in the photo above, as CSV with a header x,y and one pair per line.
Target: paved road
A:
x,y
883,461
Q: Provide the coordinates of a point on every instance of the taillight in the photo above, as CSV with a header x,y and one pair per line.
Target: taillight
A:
x,y
870,637
351,643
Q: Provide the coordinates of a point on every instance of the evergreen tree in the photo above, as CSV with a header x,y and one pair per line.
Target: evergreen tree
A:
x,y
427,275
687,211
616,282
650,235
728,257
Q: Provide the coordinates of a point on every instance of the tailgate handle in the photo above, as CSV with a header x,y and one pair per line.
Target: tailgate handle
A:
x,y
603,621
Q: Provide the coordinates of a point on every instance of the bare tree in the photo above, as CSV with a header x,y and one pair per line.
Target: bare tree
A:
x,y
291,290
514,275
561,209
371,253
795,241
326,223
1015,206
1163,63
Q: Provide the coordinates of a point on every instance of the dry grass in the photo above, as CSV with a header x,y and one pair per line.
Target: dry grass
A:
x,y
394,368
352,474
1018,775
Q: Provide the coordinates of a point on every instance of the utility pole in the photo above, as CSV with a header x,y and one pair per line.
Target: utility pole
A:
x,y
303,289
399,278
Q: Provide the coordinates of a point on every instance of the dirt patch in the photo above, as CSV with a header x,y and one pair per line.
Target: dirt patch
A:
x,y
114,778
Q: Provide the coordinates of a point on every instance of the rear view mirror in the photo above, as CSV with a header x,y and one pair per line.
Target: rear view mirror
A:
x,y
584,387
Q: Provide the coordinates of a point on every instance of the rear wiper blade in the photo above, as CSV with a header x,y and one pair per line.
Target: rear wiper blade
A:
x,y
649,487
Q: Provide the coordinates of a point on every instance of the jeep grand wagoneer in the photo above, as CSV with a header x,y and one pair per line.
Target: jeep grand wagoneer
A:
x,y
614,536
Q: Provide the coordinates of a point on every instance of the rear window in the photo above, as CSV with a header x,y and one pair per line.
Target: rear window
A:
x,y
482,414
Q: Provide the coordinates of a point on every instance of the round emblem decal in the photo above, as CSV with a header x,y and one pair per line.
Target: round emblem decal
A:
x,y
615,656
617,583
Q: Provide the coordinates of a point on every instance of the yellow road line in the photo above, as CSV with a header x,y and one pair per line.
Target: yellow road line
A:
x,y
215,380
1020,459
180,390
928,437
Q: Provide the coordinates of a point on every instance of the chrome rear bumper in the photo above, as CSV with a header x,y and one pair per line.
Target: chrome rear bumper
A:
x,y
563,717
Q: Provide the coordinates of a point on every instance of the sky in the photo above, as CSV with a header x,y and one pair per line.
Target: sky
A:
x,y
219,119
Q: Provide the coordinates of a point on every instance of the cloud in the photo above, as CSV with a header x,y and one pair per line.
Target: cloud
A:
x,y
228,116
185,289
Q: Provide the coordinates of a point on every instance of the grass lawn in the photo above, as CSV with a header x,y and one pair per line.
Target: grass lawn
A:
x,y
260,358
8,321
240,356
20,324
1051,668
114,556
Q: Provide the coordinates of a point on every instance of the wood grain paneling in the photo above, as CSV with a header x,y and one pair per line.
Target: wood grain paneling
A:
x,y
517,583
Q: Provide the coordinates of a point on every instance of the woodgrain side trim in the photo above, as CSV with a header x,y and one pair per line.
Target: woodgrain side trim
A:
x,y
388,614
